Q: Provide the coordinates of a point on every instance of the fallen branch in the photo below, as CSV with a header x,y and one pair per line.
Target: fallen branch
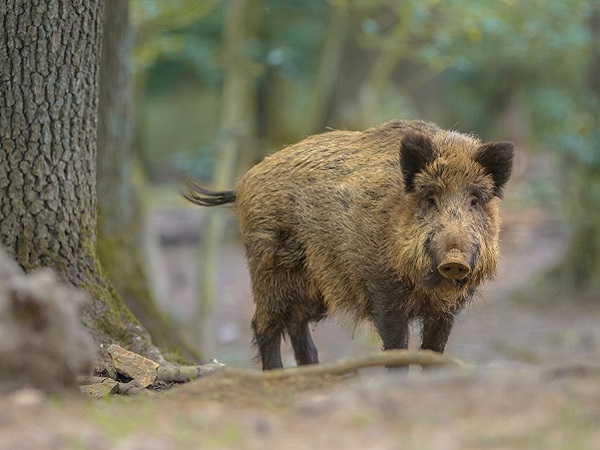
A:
x,y
352,364
573,370
183,374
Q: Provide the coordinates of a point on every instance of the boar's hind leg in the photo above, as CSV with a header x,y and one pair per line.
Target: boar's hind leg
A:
x,y
305,350
436,331
268,341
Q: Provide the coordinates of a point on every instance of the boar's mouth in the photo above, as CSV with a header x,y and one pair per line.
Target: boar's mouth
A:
x,y
434,279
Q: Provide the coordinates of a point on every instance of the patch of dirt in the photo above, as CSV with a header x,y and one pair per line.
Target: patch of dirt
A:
x,y
494,408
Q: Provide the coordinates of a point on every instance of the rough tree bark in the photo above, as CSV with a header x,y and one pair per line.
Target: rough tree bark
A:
x,y
119,204
49,59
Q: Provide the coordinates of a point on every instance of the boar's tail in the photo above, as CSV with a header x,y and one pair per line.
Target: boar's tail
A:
x,y
198,195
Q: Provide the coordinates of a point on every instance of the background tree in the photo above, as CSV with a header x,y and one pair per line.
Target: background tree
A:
x,y
48,111
162,39
578,271
236,123
120,214
328,70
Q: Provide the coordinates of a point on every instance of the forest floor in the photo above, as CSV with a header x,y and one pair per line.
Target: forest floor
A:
x,y
535,381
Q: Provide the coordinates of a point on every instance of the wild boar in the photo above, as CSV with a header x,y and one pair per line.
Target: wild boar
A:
x,y
394,224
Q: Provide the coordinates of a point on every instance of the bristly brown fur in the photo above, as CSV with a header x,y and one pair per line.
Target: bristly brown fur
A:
x,y
355,222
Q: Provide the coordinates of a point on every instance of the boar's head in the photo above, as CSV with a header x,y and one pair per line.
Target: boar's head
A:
x,y
450,226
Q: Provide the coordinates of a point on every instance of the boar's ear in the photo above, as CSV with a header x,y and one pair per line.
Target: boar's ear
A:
x,y
497,160
416,151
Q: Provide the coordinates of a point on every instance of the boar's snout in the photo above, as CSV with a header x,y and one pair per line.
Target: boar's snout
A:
x,y
454,266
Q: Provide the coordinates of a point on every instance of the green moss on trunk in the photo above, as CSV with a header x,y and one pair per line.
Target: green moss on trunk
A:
x,y
120,223
123,265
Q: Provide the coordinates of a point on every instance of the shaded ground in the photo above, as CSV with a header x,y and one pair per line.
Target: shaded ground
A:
x,y
494,408
536,385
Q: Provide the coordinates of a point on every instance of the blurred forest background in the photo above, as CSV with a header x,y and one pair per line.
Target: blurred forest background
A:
x,y
220,84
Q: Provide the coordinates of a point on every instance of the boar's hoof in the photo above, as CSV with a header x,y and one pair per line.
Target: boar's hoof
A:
x,y
454,270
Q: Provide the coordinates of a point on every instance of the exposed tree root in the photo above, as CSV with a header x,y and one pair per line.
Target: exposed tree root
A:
x,y
169,373
425,358
183,374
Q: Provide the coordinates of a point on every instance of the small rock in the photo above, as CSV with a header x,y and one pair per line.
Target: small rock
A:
x,y
133,365
84,380
131,388
101,390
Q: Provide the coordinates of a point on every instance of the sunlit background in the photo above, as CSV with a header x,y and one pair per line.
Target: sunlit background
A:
x,y
221,84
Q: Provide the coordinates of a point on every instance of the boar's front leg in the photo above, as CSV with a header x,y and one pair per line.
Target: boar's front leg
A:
x,y
393,330
435,332
390,321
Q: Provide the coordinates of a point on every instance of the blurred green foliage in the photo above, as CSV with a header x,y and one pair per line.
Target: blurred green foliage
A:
x,y
179,59
482,57
524,70
487,52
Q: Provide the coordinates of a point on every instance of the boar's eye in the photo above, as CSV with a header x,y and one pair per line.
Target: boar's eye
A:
x,y
431,202
473,202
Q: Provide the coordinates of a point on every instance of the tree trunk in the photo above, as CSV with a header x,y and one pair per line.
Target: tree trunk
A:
x,y
50,53
577,273
329,66
233,130
377,82
119,205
